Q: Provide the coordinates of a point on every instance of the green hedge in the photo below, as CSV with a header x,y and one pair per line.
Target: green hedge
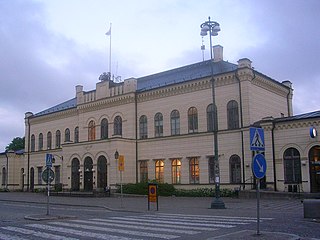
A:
x,y
165,189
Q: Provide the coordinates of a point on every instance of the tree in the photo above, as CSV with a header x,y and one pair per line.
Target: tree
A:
x,y
16,144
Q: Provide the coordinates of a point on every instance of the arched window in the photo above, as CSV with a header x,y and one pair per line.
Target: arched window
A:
x,y
235,169
144,171
40,141
176,171
58,138
158,125
193,120
175,122
102,172
104,128
91,131
75,175
143,127
33,143
76,134
210,118
67,135
314,168
49,140
292,166
233,114
4,176
117,126
159,171
194,170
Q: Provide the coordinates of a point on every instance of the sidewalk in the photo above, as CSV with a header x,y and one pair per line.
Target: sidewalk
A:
x,y
177,205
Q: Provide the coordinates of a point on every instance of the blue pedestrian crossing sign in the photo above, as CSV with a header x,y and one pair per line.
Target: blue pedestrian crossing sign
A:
x,y
256,139
49,160
259,166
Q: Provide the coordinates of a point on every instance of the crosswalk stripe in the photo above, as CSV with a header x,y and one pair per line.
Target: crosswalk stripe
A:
x,y
78,233
158,225
8,237
36,233
173,222
136,227
190,220
129,232
212,216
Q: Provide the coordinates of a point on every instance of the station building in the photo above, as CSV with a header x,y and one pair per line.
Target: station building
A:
x,y
163,127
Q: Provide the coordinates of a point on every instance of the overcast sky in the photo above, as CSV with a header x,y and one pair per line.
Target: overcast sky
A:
x,y
47,47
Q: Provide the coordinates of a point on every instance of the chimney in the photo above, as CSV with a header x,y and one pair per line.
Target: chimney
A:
x,y
217,53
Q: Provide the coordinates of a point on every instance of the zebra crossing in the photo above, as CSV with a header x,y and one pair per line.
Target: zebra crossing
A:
x,y
147,226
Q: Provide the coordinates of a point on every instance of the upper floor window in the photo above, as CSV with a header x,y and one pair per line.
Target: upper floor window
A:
x,y
175,122
67,135
76,134
58,138
233,114
91,131
211,111
40,141
49,140
117,125
193,120
104,128
33,143
143,127
292,166
235,169
158,125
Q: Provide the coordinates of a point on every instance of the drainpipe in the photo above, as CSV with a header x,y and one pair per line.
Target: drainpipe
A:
x,y
28,156
273,157
136,140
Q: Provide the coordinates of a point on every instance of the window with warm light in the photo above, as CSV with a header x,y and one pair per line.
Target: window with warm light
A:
x,y
176,171
91,131
194,170
159,171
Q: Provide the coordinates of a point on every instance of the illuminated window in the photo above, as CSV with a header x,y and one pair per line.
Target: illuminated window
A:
x,y
194,170
159,171
91,131
144,171
143,127
176,171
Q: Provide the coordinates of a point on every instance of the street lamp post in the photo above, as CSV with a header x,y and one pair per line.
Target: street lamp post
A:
x,y
213,28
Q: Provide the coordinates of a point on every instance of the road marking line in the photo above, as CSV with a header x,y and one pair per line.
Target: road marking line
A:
x,y
8,237
211,216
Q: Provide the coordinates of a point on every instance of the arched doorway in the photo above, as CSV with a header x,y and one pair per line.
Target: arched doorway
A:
x,y
75,175
88,174
32,179
314,167
102,173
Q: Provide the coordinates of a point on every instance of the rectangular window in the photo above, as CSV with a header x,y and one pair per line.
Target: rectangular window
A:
x,y
56,174
176,171
194,170
211,170
40,175
159,171
144,171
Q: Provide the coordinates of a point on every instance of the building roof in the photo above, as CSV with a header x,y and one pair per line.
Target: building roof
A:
x,y
303,116
72,103
183,74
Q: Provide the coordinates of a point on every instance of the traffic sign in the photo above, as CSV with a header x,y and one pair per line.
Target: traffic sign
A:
x,y
256,139
259,166
49,160
45,175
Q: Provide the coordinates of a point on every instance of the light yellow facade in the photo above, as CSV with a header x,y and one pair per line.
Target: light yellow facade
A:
x,y
259,100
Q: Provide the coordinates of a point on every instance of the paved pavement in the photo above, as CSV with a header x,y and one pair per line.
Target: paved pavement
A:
x,y
178,205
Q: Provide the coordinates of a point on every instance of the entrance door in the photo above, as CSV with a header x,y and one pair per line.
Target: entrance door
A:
x,y
314,166
75,175
102,173
88,174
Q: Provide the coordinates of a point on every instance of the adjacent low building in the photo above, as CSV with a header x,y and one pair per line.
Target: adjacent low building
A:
x,y
162,125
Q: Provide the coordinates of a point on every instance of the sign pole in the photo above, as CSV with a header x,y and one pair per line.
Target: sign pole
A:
x,y
258,206
121,189
48,186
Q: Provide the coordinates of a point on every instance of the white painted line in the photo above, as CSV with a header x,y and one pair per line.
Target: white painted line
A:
x,y
8,237
79,233
121,231
210,216
154,228
36,233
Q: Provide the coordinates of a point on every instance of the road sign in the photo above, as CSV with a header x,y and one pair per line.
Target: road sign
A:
x,y
256,139
45,175
49,160
121,163
259,166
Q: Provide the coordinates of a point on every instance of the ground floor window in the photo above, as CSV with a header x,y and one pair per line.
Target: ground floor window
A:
x,y
56,174
292,166
176,171
39,175
160,171
144,171
194,170
211,169
235,169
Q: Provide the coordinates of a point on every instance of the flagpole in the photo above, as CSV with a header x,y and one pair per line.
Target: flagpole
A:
x,y
109,34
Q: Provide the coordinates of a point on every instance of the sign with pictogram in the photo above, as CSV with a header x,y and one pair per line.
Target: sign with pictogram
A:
x,y
47,175
49,160
259,166
256,139
121,163
152,194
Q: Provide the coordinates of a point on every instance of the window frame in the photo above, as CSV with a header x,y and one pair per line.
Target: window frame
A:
x,y
159,171
292,166
233,114
175,122
158,125
104,128
192,120
176,171
117,125
143,127
194,170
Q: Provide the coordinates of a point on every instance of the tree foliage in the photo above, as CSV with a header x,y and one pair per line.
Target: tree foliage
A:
x,y
16,144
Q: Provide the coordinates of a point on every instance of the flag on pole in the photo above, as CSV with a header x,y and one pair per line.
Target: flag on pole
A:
x,y
109,32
